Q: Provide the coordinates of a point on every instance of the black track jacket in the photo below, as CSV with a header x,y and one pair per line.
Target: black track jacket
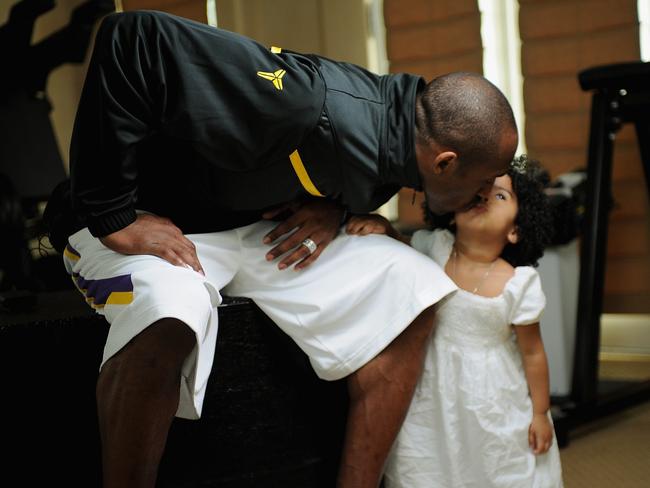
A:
x,y
209,128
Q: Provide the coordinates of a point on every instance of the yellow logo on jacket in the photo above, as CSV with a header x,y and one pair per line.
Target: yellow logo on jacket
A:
x,y
275,77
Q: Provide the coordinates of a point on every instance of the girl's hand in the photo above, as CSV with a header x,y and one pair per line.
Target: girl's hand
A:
x,y
368,224
540,433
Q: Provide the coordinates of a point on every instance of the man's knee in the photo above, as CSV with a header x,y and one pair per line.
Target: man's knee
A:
x,y
404,353
422,327
152,358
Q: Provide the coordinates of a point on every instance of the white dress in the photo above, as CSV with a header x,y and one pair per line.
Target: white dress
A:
x,y
468,422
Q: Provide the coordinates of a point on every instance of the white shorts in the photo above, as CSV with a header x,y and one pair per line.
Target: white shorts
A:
x,y
342,310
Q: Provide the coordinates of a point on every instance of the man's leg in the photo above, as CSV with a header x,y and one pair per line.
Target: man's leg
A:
x,y
380,394
137,397
348,312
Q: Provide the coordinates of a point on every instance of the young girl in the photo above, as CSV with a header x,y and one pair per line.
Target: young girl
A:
x,y
480,415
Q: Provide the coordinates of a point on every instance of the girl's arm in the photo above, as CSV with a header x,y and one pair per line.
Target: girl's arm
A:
x,y
529,338
374,224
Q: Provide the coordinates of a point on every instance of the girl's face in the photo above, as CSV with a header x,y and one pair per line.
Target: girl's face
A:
x,y
496,216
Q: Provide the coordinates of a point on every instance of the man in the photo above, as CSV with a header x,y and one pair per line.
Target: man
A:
x,y
185,137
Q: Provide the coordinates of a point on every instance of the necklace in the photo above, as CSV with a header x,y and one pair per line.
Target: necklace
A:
x,y
485,275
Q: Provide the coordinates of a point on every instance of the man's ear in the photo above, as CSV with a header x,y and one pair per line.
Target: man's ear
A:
x,y
434,160
445,163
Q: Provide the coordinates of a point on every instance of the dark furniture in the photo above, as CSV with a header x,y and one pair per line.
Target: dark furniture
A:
x,y
267,419
621,95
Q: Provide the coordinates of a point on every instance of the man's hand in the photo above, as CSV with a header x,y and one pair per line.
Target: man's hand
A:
x,y
540,433
318,220
154,235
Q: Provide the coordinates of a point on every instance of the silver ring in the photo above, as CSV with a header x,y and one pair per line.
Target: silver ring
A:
x,y
309,244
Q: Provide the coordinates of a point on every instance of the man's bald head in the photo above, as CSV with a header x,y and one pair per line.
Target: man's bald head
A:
x,y
465,113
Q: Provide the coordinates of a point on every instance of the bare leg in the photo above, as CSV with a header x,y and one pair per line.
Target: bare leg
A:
x,y
137,397
380,394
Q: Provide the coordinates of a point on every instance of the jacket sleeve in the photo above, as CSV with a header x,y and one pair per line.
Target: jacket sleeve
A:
x,y
115,112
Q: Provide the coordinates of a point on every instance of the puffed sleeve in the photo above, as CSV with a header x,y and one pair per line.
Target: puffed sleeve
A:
x,y
436,244
422,241
526,296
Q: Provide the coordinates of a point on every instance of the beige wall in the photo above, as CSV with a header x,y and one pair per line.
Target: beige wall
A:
x,y
333,28
191,9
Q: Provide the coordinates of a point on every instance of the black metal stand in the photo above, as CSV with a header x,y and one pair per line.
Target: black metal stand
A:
x,y
621,95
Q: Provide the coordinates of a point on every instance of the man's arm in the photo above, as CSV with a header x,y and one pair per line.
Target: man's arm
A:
x,y
119,107
115,113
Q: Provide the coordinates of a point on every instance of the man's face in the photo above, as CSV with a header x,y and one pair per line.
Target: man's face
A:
x,y
460,186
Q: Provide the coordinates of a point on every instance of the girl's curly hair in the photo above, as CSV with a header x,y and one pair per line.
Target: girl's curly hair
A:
x,y
533,220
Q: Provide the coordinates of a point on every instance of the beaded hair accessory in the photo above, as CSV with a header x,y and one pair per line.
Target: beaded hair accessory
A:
x,y
519,165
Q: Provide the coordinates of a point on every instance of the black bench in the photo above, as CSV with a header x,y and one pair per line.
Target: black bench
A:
x,y
267,419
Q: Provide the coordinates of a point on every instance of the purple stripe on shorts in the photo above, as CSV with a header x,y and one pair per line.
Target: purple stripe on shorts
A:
x,y
100,290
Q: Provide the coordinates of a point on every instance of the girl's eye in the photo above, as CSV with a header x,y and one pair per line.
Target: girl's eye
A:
x,y
500,196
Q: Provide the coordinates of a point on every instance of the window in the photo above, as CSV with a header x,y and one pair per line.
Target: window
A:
x,y
211,12
502,54
643,8
378,63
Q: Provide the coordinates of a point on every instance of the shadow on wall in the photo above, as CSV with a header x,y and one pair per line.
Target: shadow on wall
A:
x,y
30,162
